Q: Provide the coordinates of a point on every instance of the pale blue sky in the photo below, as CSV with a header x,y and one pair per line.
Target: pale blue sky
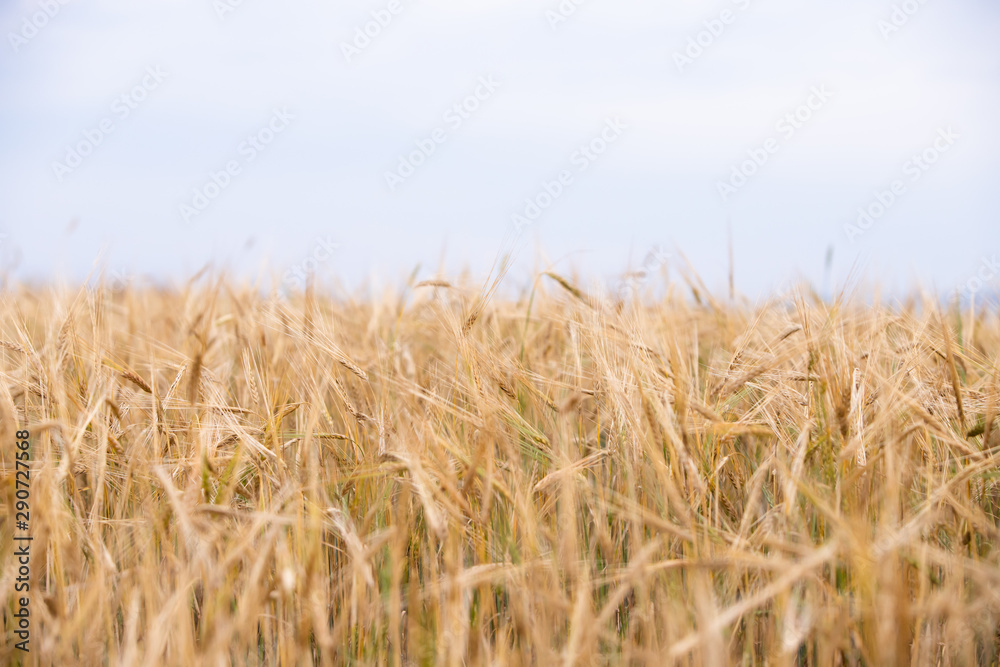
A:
x,y
683,127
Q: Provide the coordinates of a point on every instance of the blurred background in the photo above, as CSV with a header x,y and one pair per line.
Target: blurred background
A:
x,y
838,141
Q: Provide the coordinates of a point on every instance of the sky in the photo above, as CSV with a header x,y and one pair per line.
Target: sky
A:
x,y
358,141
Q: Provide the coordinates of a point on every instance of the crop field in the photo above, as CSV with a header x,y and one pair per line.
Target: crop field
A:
x,y
447,475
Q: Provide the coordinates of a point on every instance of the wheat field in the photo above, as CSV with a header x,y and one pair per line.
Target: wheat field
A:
x,y
445,475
